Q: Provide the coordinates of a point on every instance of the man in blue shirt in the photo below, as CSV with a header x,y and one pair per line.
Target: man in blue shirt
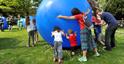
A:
x,y
110,30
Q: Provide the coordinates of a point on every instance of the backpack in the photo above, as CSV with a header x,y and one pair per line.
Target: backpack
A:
x,y
88,23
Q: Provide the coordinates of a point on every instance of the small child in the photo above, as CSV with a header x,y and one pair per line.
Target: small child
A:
x,y
72,39
97,29
57,34
35,30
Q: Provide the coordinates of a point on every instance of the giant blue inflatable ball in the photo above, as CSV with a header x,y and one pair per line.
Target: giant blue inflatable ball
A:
x,y
46,18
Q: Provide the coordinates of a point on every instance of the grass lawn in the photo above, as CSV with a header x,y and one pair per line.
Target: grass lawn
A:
x,y
13,50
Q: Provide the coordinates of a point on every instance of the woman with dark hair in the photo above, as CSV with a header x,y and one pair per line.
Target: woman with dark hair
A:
x,y
30,31
85,34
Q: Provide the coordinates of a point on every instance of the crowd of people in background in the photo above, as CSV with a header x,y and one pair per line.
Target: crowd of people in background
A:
x,y
11,21
30,25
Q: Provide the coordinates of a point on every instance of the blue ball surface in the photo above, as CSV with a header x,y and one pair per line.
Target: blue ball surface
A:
x,y
46,18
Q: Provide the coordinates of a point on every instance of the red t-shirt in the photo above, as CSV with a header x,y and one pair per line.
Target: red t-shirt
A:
x,y
95,20
72,39
80,18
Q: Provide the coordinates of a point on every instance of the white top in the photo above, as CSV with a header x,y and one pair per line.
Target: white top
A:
x,y
58,35
29,28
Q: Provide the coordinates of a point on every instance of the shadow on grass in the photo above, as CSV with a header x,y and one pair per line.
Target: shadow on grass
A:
x,y
8,43
41,43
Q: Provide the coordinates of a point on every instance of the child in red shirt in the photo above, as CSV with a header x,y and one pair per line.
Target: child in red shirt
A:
x,y
71,36
98,29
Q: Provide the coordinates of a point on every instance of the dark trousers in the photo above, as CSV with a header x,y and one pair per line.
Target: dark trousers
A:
x,y
1,27
97,32
31,35
110,36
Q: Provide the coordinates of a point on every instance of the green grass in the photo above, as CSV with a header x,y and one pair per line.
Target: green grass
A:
x,y
13,50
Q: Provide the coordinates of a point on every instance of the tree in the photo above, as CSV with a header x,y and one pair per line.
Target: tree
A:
x,y
116,7
7,5
19,6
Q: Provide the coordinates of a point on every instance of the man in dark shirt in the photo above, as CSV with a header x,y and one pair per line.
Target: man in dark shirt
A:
x,y
110,30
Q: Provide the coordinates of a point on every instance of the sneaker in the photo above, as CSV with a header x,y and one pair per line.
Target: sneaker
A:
x,y
33,45
55,60
104,47
97,54
82,59
28,46
73,53
59,61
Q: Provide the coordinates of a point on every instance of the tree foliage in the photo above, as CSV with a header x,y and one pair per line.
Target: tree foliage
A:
x,y
19,6
6,5
116,7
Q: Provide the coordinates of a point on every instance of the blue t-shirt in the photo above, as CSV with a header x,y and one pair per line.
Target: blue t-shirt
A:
x,y
108,18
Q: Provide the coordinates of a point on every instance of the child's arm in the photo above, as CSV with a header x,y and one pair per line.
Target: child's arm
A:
x,y
101,23
67,36
88,11
75,34
52,34
62,32
66,17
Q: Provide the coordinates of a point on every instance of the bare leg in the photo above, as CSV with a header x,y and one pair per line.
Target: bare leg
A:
x,y
85,53
96,52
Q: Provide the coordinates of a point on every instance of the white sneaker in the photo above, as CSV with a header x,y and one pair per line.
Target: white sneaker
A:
x,y
82,59
97,54
73,53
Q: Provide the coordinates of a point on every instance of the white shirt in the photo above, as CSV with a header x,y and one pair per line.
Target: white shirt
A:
x,y
57,36
29,28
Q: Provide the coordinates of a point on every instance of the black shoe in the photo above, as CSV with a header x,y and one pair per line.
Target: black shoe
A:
x,y
112,46
108,49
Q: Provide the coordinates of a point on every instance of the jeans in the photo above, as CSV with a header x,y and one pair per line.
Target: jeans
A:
x,y
110,36
31,35
58,49
1,27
